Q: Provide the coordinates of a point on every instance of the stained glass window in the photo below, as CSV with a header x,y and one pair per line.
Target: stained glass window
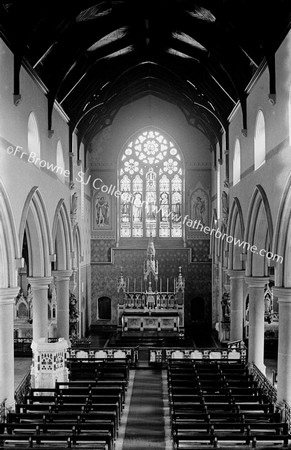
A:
x,y
151,185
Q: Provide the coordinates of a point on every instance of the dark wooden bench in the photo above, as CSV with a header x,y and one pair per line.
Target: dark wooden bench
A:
x,y
242,427
29,439
96,417
181,438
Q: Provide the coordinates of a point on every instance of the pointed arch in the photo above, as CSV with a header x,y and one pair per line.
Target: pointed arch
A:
x,y
9,244
77,245
34,221
282,240
258,233
235,229
62,237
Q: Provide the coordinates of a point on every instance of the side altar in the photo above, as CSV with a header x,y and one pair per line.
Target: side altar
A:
x,y
151,307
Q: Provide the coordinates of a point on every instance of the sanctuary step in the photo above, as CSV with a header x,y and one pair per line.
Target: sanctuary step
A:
x,y
148,339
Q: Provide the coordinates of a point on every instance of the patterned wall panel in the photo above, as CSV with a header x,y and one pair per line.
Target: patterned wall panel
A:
x,y
101,250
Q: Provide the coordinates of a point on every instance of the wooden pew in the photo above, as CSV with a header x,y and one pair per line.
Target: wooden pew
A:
x,y
39,438
96,417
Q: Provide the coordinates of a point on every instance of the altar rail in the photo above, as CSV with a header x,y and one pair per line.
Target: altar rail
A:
x,y
128,353
162,355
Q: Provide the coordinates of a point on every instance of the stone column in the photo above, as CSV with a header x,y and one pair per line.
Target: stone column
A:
x,y
237,304
39,286
7,300
256,321
284,345
62,282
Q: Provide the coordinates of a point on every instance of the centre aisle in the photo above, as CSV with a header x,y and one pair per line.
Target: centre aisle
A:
x,y
145,422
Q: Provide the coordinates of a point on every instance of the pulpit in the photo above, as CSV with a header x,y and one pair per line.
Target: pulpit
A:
x,y
151,308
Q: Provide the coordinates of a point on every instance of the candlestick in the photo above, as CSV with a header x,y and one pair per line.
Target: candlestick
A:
x,y
128,284
167,285
160,284
134,285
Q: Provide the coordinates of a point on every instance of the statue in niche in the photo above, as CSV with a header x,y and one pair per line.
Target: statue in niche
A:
x,y
102,211
199,209
73,314
74,205
225,207
225,304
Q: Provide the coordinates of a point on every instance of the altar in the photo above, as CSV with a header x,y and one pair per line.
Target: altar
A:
x,y
151,307
147,320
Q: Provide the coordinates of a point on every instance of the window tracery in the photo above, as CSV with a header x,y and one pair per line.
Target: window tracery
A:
x,y
151,186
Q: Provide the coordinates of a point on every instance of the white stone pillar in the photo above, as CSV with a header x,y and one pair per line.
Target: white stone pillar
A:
x,y
256,321
284,344
39,286
62,282
7,300
237,303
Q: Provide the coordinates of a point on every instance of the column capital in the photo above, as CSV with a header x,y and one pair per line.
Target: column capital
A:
x,y
62,275
283,294
7,295
257,282
236,273
38,283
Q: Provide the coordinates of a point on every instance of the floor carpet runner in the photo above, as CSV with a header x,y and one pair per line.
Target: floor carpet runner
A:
x,y
145,422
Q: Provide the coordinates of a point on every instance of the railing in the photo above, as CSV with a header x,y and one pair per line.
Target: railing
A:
x,y
128,353
23,388
162,355
2,412
81,343
264,384
287,414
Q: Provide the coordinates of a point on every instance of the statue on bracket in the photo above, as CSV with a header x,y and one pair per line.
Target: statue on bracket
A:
x,y
74,204
225,206
225,304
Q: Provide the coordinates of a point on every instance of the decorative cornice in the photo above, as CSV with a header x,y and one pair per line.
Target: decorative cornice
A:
x,y
62,275
283,294
7,295
38,283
